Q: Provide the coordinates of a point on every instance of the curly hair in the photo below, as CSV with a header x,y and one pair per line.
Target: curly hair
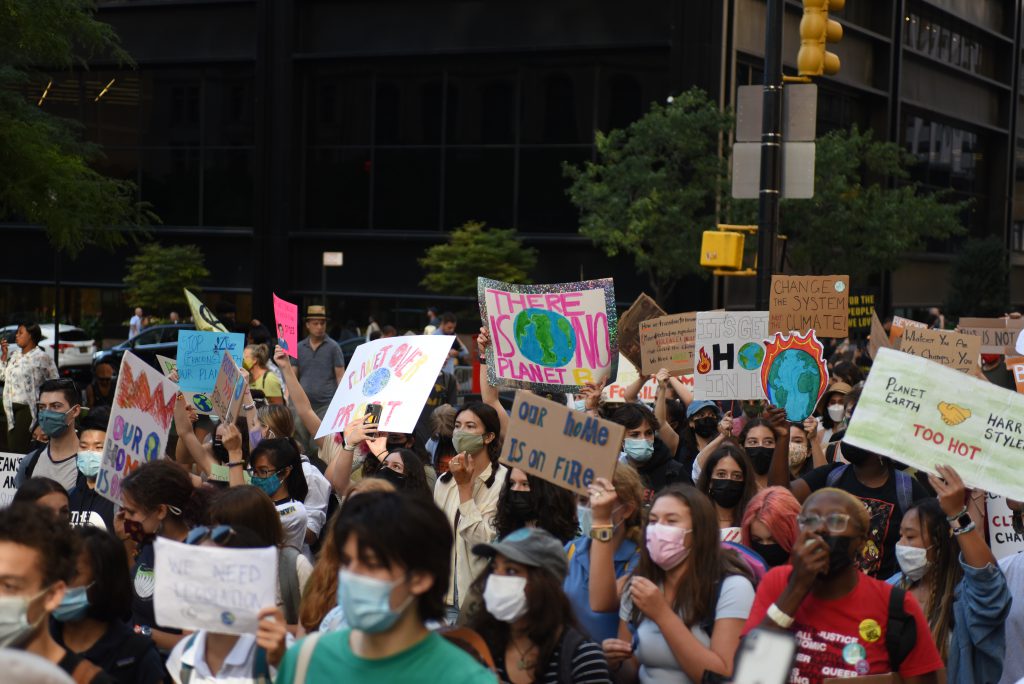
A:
x,y
27,524
555,508
730,449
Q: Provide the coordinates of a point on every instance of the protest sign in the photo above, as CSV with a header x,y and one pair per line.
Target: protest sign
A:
x,y
1015,364
802,303
643,309
667,342
549,338
199,357
996,333
286,318
202,316
395,372
200,401
209,587
879,338
920,413
8,469
565,447
952,349
140,418
862,306
1003,540
228,390
898,325
730,350
615,393
794,375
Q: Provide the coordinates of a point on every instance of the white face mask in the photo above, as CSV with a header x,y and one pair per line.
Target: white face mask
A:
x,y
505,597
14,624
913,561
837,412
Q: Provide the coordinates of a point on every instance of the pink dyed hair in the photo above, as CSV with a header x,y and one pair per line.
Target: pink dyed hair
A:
x,y
776,508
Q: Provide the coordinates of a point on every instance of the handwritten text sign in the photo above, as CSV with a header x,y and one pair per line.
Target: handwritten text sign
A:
x,y
615,393
898,325
200,401
1015,364
802,303
140,418
199,356
549,338
1001,536
996,333
8,469
395,372
565,447
923,414
730,351
228,391
951,349
644,308
208,587
286,318
667,342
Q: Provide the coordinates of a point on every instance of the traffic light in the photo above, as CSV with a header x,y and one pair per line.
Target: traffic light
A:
x,y
815,30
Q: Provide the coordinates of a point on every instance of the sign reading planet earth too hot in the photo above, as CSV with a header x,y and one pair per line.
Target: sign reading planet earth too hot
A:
x,y
794,375
545,337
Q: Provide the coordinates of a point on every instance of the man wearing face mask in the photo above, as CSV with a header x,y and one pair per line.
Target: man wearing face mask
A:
x,y
645,452
87,506
37,560
849,624
57,408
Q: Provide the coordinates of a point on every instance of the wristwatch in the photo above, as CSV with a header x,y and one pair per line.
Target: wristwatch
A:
x,y
602,533
961,522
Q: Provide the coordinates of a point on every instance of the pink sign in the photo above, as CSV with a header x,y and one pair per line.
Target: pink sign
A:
x,y
286,318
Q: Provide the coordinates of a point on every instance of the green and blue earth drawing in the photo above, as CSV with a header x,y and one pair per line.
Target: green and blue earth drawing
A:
x,y
376,381
793,383
751,356
545,337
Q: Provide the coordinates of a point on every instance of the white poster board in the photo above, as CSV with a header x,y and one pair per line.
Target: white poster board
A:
x,y
729,354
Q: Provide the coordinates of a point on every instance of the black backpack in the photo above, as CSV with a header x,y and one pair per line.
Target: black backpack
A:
x,y
900,630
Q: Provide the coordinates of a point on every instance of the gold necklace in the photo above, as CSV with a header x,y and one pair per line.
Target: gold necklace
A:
x,y
523,664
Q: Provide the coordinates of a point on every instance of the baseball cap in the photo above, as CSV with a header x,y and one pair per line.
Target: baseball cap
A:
x,y
530,546
696,406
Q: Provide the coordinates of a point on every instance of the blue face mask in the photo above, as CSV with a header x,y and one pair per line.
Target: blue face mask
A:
x,y
580,404
638,449
53,422
73,606
366,602
89,462
269,485
586,518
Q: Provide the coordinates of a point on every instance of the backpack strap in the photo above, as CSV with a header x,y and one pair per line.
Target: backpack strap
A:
x,y
260,667
900,630
84,671
572,639
904,490
288,580
835,474
185,672
305,656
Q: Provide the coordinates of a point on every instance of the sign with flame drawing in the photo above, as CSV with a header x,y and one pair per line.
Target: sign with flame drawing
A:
x,y
730,350
794,375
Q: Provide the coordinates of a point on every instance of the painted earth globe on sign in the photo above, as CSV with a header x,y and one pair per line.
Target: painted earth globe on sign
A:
x,y
793,383
376,381
751,356
545,337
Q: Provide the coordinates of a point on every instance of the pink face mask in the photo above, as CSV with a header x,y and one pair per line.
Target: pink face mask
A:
x,y
665,544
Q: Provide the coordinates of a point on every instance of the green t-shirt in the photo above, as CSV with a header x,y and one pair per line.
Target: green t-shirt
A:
x,y
432,660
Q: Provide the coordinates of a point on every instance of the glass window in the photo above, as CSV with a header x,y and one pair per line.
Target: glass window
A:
x,y
407,189
339,109
171,108
228,193
408,108
479,185
62,97
170,334
481,109
558,105
111,108
338,188
229,104
170,181
150,336
543,204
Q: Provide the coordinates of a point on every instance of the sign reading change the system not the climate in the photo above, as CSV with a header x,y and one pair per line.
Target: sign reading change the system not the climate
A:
x,y
923,414
802,303
549,338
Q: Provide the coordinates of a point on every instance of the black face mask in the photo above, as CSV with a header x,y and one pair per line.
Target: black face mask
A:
x,y
706,427
761,458
773,554
220,452
521,506
393,476
396,442
726,493
838,554
855,455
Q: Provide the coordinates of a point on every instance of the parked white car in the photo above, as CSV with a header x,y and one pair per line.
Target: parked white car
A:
x,y
74,353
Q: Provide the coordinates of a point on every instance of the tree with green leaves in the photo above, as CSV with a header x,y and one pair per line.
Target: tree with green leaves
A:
x,y
157,275
980,279
652,191
858,223
473,249
45,177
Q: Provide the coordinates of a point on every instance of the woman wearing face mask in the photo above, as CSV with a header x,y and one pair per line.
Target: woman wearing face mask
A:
x,y
404,469
277,470
528,501
849,624
833,411
762,438
947,565
526,619
157,500
642,450
688,599
23,372
710,427
805,451
254,360
608,551
728,480
210,456
769,525
392,580
87,506
90,619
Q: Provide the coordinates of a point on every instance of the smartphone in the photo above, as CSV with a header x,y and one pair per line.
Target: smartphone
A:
x,y
765,657
372,416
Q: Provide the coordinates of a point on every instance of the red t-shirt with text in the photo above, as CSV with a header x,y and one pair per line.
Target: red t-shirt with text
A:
x,y
845,637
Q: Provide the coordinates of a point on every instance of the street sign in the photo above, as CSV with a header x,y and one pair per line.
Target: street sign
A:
x,y
333,258
799,112
797,170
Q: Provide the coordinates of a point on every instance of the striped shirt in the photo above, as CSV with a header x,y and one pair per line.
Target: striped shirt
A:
x,y
588,667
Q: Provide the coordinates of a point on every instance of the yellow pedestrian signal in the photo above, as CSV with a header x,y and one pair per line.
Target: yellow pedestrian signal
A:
x,y
721,249
816,29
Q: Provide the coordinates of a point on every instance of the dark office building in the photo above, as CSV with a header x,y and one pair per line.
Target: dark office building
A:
x,y
270,131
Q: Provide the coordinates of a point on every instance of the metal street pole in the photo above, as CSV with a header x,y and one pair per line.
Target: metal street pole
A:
x,y
771,154
56,309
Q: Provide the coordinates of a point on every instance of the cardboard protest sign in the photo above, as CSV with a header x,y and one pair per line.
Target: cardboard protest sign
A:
x,y
879,338
199,357
794,375
228,390
395,372
801,303
286,318
643,309
923,414
549,338
615,393
1001,536
202,316
996,333
667,342
8,469
730,351
952,349
210,587
140,419
565,447
200,401
862,306
898,325
1015,364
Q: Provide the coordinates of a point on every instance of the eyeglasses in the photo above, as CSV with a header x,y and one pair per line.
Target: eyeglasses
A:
x,y
219,535
262,472
836,523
